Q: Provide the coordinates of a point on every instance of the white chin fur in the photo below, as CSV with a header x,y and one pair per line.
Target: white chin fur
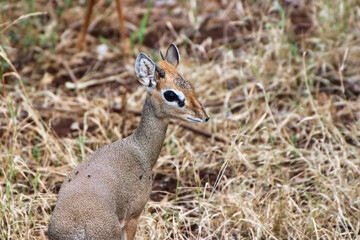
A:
x,y
194,120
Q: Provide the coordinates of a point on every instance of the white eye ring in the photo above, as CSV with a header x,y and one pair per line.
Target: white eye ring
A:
x,y
178,93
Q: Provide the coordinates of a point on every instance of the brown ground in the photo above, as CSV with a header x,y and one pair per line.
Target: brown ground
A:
x,y
280,157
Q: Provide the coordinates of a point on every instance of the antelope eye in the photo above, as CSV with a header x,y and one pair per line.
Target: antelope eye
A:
x,y
170,96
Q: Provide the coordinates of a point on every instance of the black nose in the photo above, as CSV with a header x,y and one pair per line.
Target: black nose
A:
x,y
207,119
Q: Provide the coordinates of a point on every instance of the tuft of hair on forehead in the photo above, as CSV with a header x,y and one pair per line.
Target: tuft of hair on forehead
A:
x,y
182,83
171,72
167,67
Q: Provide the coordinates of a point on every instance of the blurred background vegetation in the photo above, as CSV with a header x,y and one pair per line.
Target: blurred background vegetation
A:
x,y
280,157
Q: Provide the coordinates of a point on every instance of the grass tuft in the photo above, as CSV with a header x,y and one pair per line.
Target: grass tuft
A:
x,y
279,159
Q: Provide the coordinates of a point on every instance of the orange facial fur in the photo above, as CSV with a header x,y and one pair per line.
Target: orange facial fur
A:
x,y
174,81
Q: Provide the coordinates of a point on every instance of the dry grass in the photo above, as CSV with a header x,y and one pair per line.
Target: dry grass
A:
x,y
281,83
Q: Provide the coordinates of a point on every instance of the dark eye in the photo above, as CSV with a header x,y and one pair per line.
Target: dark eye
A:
x,y
170,96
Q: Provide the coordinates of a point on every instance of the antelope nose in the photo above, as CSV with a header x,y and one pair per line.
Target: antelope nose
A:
x,y
206,119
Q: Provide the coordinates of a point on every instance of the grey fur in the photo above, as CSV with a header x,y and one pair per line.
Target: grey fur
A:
x,y
145,70
103,197
172,55
95,207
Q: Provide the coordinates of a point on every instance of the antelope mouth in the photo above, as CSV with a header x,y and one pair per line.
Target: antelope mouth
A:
x,y
193,120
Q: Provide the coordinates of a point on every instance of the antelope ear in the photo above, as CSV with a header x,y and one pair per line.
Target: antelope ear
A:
x,y
172,55
145,70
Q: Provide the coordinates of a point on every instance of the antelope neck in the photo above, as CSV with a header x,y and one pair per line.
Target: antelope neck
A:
x,y
150,133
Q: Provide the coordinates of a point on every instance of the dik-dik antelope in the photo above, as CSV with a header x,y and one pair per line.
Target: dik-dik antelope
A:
x,y
103,197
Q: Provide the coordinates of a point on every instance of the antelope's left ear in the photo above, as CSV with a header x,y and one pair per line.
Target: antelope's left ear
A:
x,y
145,70
172,55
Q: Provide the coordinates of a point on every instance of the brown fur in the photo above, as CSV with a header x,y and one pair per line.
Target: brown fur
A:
x,y
173,80
103,197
